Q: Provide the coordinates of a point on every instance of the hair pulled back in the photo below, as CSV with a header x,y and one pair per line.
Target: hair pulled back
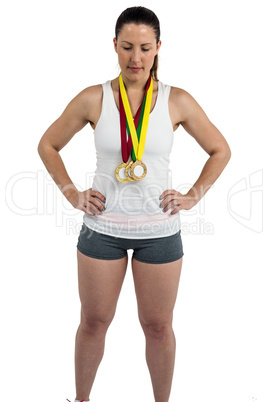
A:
x,y
140,15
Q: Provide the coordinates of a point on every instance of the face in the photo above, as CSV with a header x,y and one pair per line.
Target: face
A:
x,y
136,48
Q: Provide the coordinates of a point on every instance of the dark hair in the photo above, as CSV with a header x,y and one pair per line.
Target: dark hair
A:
x,y
140,15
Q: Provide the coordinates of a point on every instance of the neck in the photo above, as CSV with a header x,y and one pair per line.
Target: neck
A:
x,y
138,85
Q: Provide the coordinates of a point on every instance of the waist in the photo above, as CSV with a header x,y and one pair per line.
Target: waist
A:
x,y
134,226
131,198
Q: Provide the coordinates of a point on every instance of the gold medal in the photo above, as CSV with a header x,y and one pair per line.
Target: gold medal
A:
x,y
129,177
120,172
141,170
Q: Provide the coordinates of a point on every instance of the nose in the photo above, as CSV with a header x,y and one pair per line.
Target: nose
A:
x,y
135,55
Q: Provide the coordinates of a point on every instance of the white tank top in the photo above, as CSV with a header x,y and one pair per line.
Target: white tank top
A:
x,y
132,208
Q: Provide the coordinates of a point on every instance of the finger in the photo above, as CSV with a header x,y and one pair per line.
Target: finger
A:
x,y
87,211
166,205
165,201
174,198
96,202
170,204
169,200
176,210
166,193
96,208
98,195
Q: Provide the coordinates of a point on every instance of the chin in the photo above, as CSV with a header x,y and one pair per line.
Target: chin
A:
x,y
135,76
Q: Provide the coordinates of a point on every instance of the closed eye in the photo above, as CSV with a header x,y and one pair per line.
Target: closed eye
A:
x,y
129,48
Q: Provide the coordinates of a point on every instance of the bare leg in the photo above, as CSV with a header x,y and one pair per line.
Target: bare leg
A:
x,y
156,287
160,357
100,283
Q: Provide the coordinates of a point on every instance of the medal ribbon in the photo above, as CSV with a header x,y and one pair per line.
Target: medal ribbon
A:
x,y
133,156
137,142
126,146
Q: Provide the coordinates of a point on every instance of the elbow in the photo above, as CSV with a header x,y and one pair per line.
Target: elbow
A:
x,y
224,152
40,148
228,153
223,155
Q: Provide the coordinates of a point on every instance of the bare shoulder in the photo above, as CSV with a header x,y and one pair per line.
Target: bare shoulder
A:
x,y
84,108
90,100
181,104
88,96
187,112
177,94
178,98
92,93
183,107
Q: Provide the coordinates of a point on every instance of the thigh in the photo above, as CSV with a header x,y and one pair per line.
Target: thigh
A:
x,y
100,246
159,250
99,283
156,287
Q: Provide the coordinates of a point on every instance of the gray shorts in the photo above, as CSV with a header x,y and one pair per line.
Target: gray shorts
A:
x,y
158,250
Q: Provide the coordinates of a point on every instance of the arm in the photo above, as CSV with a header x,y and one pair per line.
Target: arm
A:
x,y
82,109
187,112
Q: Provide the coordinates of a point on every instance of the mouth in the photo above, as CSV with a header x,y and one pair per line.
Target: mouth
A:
x,y
135,69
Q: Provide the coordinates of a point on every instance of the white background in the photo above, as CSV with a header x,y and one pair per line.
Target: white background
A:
x,y
217,51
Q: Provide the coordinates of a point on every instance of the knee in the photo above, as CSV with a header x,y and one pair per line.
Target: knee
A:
x,y
159,329
96,324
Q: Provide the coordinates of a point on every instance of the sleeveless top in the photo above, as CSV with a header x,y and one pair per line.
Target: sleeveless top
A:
x,y
132,208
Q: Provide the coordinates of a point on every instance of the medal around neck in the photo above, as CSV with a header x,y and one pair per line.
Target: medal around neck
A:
x,y
135,169
127,171
141,170
120,172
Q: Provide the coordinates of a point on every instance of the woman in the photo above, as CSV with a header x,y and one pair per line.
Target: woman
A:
x,y
122,210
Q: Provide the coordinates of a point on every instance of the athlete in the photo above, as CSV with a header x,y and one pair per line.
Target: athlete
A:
x,y
131,204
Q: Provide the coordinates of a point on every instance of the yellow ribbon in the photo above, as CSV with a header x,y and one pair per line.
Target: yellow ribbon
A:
x,y
138,146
